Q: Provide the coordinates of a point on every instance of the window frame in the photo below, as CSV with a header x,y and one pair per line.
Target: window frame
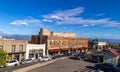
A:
x,y
20,48
13,48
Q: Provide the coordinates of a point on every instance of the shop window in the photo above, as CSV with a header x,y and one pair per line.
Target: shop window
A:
x,y
13,48
1,47
50,42
21,48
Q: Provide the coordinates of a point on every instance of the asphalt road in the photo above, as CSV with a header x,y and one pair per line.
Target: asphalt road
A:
x,y
65,65
10,69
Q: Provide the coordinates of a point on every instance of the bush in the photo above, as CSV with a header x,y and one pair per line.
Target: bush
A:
x,y
3,57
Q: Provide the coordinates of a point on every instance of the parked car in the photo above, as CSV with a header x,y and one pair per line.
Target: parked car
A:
x,y
67,54
107,67
33,58
12,63
1,66
97,71
46,58
27,61
78,56
97,58
57,56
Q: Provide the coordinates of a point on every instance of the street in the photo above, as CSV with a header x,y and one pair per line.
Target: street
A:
x,y
65,65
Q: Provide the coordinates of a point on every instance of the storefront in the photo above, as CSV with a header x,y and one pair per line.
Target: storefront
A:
x,y
54,51
16,55
35,51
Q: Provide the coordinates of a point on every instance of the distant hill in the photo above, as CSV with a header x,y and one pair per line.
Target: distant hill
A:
x,y
111,40
108,40
28,37
18,37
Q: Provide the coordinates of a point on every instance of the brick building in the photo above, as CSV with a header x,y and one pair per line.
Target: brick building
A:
x,y
60,42
15,48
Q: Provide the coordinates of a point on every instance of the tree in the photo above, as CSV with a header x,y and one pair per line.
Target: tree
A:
x,y
93,43
3,57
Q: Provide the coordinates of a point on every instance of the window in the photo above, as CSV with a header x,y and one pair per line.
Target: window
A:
x,y
21,48
13,48
1,47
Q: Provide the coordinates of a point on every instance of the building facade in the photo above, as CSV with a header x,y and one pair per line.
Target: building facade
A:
x,y
66,44
102,44
60,42
35,51
15,48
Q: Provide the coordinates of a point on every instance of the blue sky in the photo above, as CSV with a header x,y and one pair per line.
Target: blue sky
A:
x,y
88,18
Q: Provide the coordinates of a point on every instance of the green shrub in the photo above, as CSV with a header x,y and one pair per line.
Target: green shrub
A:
x,y
3,57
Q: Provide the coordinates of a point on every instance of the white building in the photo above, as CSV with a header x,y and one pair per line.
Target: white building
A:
x,y
102,43
35,50
0,37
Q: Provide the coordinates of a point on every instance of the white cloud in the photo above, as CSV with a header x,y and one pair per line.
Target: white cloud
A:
x,y
86,25
19,22
27,21
65,13
72,16
46,20
15,29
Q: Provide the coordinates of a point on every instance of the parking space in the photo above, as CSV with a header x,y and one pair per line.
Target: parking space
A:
x,y
65,65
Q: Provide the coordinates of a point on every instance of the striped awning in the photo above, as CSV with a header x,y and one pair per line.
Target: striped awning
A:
x,y
54,50
64,49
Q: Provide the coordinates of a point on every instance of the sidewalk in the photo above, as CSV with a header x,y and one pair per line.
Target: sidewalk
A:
x,y
37,65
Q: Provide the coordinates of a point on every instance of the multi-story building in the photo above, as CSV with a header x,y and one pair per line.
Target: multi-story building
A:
x,y
57,42
21,49
15,48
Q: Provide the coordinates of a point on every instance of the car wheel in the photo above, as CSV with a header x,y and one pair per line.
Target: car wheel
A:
x,y
16,64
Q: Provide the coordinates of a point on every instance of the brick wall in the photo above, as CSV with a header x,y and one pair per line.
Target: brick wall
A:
x,y
7,44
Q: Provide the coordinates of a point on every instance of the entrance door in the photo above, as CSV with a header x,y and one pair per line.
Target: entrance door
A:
x,y
17,56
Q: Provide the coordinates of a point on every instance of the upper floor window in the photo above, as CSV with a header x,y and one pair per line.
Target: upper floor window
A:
x,y
1,47
13,48
21,48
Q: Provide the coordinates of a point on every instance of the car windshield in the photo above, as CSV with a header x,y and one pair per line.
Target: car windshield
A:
x,y
10,61
45,57
28,59
116,67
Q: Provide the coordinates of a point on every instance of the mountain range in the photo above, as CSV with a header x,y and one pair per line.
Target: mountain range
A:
x,y
28,37
17,37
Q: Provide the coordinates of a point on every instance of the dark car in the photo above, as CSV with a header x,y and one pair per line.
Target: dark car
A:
x,y
57,56
67,54
97,58
78,56
107,67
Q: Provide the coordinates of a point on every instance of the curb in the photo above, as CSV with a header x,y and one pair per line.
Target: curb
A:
x,y
37,65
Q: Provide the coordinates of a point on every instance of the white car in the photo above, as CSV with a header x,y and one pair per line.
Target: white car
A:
x,y
97,71
27,61
12,63
33,58
46,58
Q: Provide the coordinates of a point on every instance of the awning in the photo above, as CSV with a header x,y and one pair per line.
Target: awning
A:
x,y
16,53
54,50
63,49
114,51
80,48
74,48
83,48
